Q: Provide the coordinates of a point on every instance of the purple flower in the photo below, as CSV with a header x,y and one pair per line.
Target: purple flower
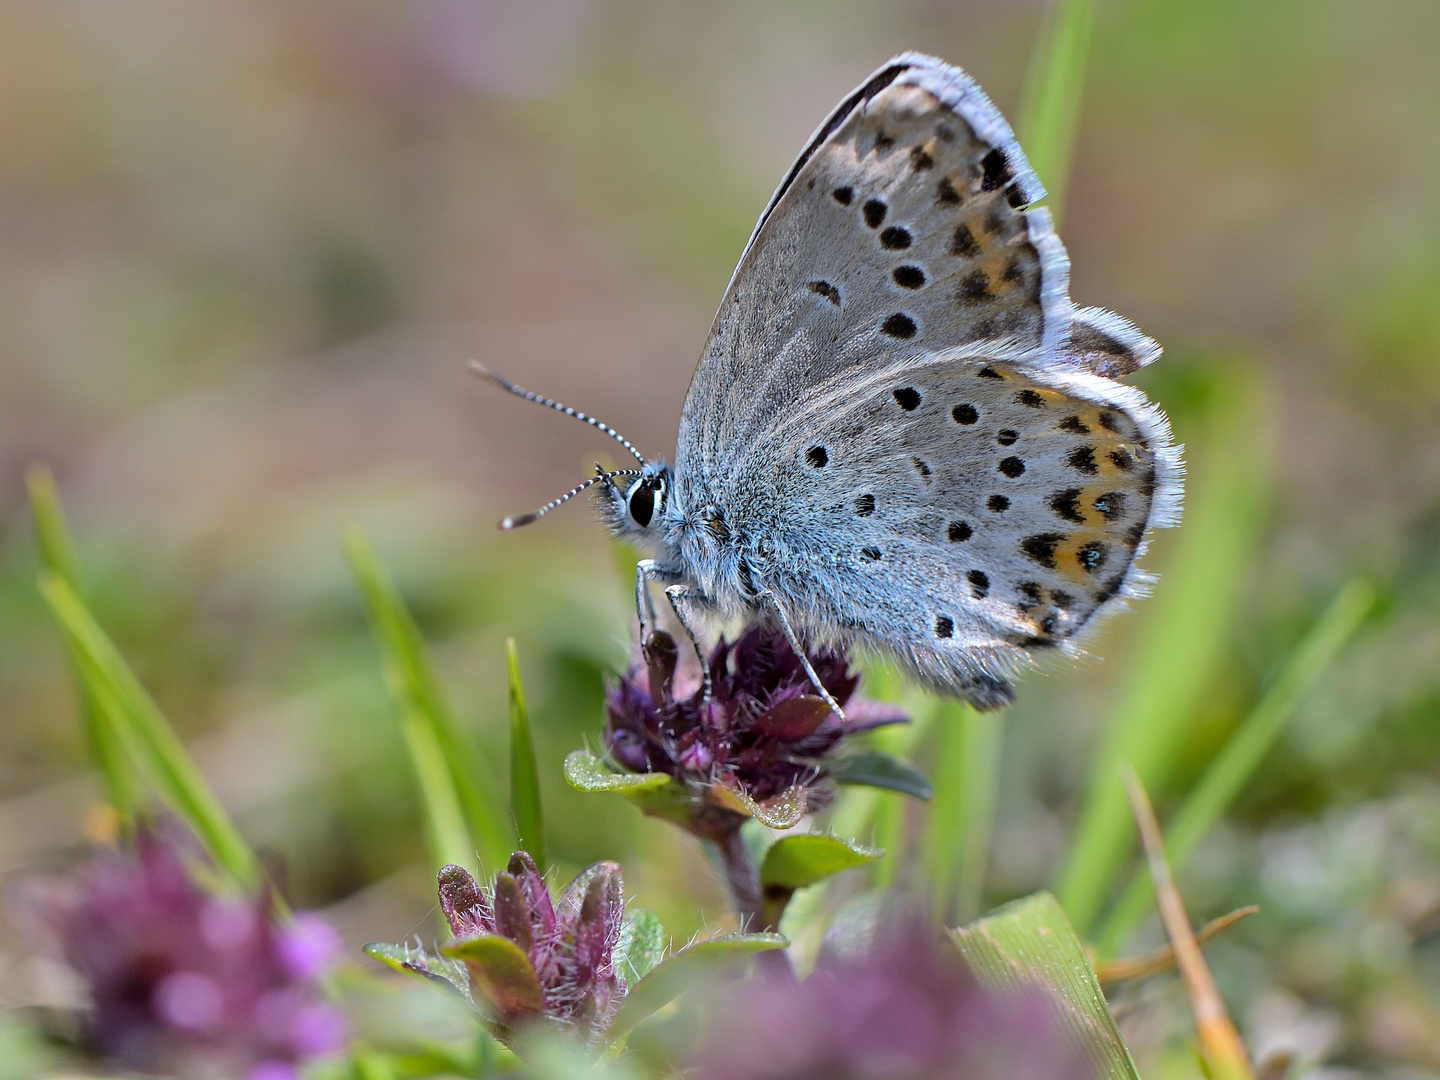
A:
x,y
758,747
184,981
906,1007
564,971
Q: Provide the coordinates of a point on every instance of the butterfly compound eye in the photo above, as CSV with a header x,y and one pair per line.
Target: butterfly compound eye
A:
x,y
642,504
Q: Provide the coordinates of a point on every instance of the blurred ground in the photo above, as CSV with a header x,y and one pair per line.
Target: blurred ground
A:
x,y
246,248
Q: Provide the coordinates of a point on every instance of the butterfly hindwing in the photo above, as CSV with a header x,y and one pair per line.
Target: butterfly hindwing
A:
x,y
971,511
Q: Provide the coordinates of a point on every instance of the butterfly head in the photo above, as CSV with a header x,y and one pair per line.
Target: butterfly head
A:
x,y
636,512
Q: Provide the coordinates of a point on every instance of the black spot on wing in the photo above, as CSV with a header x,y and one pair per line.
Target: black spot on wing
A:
x,y
1012,467
944,626
1007,436
1092,555
908,277
1082,459
865,505
995,170
825,289
997,504
1073,423
979,584
962,243
1031,399
959,531
843,195
946,194
965,414
1110,505
1067,504
1041,548
874,212
895,238
974,286
989,373
899,325
922,468
817,457
907,397
920,159
870,554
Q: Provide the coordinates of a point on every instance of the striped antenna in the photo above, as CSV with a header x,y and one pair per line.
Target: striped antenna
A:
x,y
506,524
519,391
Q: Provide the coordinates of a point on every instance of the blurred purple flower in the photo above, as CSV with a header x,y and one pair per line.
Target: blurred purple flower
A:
x,y
569,944
906,1006
186,982
758,746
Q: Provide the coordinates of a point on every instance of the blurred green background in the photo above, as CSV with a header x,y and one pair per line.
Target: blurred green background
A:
x,y
246,248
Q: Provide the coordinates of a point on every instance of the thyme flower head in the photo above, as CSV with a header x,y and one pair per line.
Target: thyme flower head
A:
x,y
904,1008
759,745
562,970
184,981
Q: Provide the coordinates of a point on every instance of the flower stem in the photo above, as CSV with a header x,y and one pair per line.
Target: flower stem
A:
x,y
744,881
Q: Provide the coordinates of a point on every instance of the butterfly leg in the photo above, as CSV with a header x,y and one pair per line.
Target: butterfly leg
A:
x,y
645,570
805,660
679,597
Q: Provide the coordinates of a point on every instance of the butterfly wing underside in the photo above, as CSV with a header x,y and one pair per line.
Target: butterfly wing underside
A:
x,y
901,243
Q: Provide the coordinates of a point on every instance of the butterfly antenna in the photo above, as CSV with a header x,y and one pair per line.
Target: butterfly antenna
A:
x,y
519,391
601,476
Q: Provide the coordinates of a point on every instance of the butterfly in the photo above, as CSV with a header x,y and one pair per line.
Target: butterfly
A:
x,y
902,436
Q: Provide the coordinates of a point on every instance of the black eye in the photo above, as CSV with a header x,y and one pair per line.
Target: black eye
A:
x,y
642,505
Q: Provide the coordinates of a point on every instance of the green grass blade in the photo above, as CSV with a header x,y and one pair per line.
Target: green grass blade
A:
x,y
1185,633
524,775
956,848
1031,941
1050,108
1243,752
57,552
144,732
462,818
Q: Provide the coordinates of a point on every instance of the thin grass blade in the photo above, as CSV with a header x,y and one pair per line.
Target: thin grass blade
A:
x,y
1186,631
444,757
57,552
145,734
1050,107
956,848
1236,763
524,775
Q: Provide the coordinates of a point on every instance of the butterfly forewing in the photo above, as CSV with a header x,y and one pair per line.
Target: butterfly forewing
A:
x,y
900,233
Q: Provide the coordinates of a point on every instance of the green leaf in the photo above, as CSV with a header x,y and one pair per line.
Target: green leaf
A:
x,y
956,847
1184,632
586,772
57,552
1031,941
1236,763
501,972
641,945
524,775
1050,108
680,970
445,973
461,817
796,862
793,862
878,770
146,736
